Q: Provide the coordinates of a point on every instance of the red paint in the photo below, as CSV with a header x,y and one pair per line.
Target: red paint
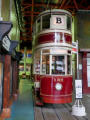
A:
x,y
6,94
15,79
86,89
49,93
37,77
50,38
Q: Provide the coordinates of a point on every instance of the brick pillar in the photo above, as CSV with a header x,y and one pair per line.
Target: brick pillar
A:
x,y
6,94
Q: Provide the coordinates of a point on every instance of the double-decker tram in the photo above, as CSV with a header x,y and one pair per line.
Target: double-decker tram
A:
x,y
52,56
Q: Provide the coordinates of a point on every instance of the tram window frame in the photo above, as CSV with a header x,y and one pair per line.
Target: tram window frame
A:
x,y
37,63
38,25
69,65
69,22
34,29
57,65
46,66
46,21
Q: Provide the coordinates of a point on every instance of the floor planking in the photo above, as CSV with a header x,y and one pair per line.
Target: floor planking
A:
x,y
55,112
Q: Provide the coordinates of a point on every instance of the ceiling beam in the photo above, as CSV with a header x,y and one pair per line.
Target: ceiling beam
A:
x,y
76,5
63,4
37,5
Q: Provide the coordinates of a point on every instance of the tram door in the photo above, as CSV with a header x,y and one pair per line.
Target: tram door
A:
x,y
1,85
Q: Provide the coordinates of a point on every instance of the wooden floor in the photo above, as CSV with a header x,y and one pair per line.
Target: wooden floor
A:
x,y
56,112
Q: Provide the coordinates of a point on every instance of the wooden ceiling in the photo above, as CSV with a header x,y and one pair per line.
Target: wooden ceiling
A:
x,y
27,10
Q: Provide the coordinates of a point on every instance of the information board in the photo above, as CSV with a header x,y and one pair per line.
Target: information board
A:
x,y
78,88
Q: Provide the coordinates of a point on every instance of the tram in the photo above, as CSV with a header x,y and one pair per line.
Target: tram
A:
x,y
52,56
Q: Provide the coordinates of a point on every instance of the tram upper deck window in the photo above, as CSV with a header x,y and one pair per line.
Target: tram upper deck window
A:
x,y
46,21
58,65
68,23
38,25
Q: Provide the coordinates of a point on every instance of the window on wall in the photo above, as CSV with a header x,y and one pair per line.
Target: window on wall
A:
x,y
21,67
58,64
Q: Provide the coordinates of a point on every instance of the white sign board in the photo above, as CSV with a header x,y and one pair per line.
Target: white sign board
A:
x,y
6,43
58,22
78,88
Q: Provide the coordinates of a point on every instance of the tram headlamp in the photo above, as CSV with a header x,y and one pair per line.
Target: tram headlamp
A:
x,y
58,86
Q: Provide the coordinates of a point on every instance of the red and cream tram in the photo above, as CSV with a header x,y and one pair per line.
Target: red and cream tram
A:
x,y
52,56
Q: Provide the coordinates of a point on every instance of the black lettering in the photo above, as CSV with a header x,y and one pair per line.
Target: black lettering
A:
x,y
58,20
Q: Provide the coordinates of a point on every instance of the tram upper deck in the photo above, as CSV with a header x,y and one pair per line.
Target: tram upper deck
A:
x,y
53,20
53,26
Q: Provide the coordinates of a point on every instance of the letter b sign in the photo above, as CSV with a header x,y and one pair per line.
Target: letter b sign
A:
x,y
58,20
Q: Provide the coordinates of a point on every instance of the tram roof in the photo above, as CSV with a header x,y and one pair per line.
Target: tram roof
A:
x,y
54,11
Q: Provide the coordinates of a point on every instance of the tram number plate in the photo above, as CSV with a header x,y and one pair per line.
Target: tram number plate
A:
x,y
78,88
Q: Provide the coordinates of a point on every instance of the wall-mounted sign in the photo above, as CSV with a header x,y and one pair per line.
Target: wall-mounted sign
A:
x,y
78,88
6,43
58,21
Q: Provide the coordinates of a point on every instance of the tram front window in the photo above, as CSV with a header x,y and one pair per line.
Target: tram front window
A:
x,y
45,64
58,65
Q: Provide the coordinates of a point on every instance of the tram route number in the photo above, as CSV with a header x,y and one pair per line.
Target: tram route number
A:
x,y
58,80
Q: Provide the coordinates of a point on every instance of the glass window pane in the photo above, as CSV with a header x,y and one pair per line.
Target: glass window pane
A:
x,y
68,64
46,22
69,23
37,62
45,64
58,65
38,25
